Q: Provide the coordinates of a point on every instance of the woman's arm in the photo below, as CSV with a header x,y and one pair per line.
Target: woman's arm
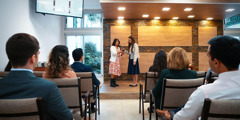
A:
x,y
136,53
122,52
126,52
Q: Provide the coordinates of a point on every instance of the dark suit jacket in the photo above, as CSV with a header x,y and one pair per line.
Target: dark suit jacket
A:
x,y
24,84
173,74
79,67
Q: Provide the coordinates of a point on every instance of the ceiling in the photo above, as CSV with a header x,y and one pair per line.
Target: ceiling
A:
x,y
92,4
201,9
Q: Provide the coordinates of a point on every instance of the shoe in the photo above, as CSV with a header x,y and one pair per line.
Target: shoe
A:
x,y
93,109
150,111
164,113
114,82
133,85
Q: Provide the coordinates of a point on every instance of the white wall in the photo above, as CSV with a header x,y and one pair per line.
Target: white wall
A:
x,y
92,4
19,16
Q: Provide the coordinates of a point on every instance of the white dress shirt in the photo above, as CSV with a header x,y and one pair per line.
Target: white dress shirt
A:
x,y
227,86
21,69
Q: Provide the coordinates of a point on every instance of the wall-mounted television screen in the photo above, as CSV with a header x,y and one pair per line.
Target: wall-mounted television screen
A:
x,y
72,8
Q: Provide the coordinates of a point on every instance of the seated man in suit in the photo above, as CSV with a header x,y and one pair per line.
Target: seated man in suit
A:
x,y
23,51
78,66
224,58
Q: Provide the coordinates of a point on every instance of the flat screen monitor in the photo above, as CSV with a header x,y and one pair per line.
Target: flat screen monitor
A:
x,y
71,8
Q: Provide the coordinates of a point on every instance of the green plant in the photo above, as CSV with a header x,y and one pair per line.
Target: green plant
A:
x,y
92,57
94,17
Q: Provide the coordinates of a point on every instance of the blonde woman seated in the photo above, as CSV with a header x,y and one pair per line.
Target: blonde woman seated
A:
x,y
58,64
177,64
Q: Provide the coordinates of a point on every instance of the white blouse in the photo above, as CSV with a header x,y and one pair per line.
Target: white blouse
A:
x,y
135,54
114,54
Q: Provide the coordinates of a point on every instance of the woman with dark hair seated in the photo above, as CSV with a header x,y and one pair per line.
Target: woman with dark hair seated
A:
x,y
58,64
159,63
177,64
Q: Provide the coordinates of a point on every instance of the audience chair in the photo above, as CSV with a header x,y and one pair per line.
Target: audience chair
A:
x,y
38,73
144,95
22,109
176,92
70,89
3,74
87,85
201,74
221,109
212,77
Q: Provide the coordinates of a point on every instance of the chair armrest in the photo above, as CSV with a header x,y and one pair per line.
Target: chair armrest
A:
x,y
172,113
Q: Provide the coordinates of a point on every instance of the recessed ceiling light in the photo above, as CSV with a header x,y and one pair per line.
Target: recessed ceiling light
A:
x,y
229,10
187,9
145,15
166,9
156,18
120,17
191,16
120,21
175,18
209,18
121,8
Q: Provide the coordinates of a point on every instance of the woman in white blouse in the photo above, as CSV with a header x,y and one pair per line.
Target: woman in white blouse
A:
x,y
133,66
114,66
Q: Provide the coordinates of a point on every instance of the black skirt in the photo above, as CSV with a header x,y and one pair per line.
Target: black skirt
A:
x,y
133,69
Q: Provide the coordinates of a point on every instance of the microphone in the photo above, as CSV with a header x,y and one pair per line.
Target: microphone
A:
x,y
121,47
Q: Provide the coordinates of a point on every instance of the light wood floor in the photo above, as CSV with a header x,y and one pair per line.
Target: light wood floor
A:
x,y
124,91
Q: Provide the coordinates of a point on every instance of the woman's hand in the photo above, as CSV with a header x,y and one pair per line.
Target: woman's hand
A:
x,y
134,63
119,52
122,52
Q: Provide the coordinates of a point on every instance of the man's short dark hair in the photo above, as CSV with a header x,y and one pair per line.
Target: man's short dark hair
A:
x,y
77,54
227,50
20,47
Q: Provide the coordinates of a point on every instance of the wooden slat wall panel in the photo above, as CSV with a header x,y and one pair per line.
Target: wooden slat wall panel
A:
x,y
203,61
124,63
165,35
145,61
122,33
205,34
